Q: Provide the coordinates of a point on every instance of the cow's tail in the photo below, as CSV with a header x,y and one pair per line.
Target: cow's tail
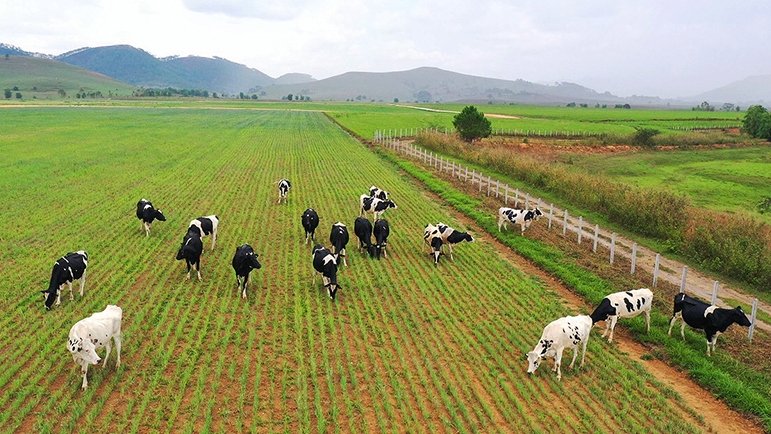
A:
x,y
678,305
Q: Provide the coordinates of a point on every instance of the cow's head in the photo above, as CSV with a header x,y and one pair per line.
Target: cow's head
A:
x,y
391,204
181,252
83,349
49,297
533,361
740,318
251,257
537,213
159,216
602,311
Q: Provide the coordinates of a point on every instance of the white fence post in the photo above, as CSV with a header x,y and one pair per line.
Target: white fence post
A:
x,y
753,318
634,258
497,187
527,201
580,228
489,182
612,247
551,213
715,289
682,279
565,223
516,198
656,270
596,238
506,195
480,181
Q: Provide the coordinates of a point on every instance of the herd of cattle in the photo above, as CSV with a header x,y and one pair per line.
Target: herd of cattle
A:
x,y
103,328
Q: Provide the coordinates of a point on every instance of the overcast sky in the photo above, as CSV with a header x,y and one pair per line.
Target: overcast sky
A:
x,y
665,48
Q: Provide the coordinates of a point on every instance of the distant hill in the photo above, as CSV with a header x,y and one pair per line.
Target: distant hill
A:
x,y
140,68
294,78
428,84
43,78
12,50
751,90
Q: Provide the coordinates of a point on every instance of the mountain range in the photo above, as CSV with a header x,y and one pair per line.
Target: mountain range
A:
x,y
139,68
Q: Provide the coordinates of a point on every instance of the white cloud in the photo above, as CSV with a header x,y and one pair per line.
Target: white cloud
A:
x,y
264,9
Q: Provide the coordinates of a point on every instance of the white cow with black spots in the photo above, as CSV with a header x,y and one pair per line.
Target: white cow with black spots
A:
x,y
521,217
626,304
566,332
92,333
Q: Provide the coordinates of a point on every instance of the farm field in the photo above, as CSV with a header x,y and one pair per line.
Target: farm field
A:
x,y
722,179
406,347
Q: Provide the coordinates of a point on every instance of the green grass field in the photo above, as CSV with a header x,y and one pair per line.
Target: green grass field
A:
x,y
733,180
406,347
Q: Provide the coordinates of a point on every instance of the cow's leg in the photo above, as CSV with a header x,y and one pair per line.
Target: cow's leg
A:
x,y
613,320
198,268
449,247
342,253
672,322
246,281
59,295
147,229
84,371
213,239
82,283
500,222
187,261
522,227
682,329
107,354
648,320
558,363
583,356
117,339
575,355
69,284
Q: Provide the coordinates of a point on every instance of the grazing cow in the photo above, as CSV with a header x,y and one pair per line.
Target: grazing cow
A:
x,y
67,269
626,304
712,319
362,227
244,261
381,231
325,263
338,238
521,217
378,193
452,236
191,250
283,189
310,221
374,205
146,213
433,238
566,332
207,226
92,333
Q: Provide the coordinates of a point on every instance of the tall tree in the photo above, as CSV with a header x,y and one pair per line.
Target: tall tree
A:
x,y
471,124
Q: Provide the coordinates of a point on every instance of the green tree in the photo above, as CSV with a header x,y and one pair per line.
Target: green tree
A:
x,y
757,122
18,95
644,137
471,124
8,93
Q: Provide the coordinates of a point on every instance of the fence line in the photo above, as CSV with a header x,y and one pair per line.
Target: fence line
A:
x,y
600,238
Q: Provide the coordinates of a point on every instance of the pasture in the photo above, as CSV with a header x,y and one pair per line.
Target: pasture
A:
x,y
406,347
733,180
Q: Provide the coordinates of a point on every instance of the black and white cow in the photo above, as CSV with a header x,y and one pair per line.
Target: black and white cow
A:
x,y
283,189
566,332
451,236
205,226
362,227
521,217
381,232
244,261
310,221
374,205
626,304
191,250
338,238
325,263
712,319
67,269
433,238
97,331
378,193
146,213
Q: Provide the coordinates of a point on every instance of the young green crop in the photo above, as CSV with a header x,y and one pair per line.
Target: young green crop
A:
x,y
407,346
